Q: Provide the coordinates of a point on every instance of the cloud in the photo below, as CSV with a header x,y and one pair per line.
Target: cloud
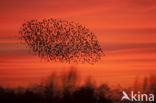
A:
x,y
127,46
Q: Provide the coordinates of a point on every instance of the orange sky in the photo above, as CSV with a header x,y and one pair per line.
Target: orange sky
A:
x,y
126,30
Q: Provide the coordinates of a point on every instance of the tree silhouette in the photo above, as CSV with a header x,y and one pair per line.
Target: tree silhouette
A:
x,y
61,41
45,92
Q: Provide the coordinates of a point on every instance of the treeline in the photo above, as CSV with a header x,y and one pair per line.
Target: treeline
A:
x,y
67,88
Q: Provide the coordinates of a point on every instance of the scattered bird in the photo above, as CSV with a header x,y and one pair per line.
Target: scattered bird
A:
x,y
61,41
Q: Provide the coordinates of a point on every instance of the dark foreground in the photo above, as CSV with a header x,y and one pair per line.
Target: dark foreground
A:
x,y
67,89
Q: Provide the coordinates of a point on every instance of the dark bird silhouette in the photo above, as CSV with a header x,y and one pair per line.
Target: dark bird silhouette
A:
x,y
61,41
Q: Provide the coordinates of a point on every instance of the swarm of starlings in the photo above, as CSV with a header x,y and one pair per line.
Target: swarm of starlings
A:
x,y
61,41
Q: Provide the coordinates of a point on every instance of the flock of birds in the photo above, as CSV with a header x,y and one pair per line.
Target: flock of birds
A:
x,y
61,41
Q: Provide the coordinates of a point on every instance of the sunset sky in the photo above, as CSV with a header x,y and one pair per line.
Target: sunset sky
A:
x,y
126,30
